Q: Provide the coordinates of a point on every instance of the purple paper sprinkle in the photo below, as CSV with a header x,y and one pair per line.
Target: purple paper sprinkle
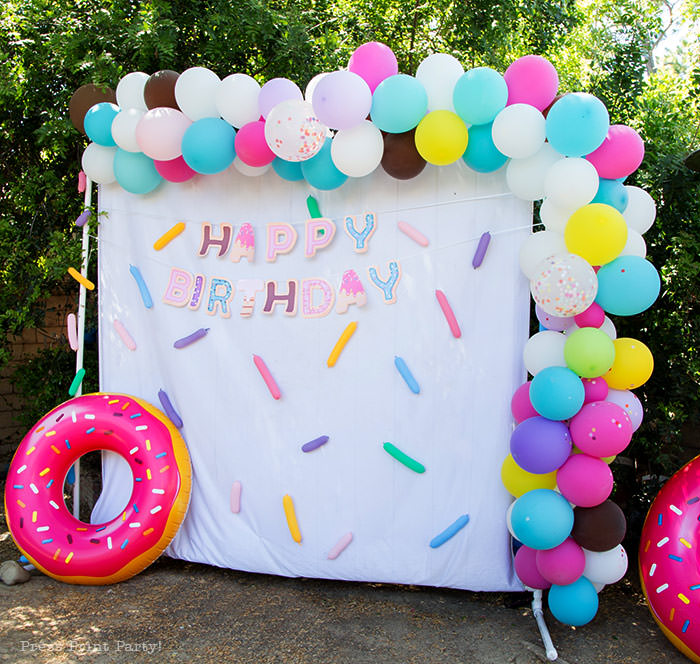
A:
x,y
314,444
191,338
481,250
83,218
168,408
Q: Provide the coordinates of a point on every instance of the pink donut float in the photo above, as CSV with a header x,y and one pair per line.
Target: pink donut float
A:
x,y
668,559
76,552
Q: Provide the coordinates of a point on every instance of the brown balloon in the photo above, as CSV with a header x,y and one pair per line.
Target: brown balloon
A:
x,y
84,98
554,101
599,528
401,159
159,90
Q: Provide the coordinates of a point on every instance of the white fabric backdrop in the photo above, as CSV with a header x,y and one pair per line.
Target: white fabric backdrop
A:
x,y
458,426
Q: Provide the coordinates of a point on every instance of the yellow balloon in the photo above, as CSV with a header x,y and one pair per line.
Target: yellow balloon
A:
x,y
596,232
608,460
518,481
441,137
633,365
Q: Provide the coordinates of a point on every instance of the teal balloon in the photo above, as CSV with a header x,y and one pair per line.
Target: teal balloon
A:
x,y
320,171
208,145
557,393
399,104
479,95
613,193
542,519
627,286
481,154
575,604
288,170
577,124
98,123
135,172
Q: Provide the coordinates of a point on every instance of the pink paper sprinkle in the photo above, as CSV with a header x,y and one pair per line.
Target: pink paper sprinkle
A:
x,y
124,335
413,233
236,497
267,377
340,546
449,314
72,329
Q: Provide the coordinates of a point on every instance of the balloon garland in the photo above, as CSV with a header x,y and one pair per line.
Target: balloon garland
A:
x,y
577,412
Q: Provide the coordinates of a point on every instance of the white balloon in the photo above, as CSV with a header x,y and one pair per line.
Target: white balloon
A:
x,y
251,171
608,327
537,247
635,245
98,163
311,86
526,177
553,217
439,73
605,566
130,91
236,99
124,128
518,131
544,349
509,523
598,586
640,211
571,183
195,93
358,151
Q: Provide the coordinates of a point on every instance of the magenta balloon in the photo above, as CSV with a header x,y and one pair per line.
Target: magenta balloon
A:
x,y
159,133
276,91
251,145
601,429
620,153
526,568
563,564
175,170
595,389
520,404
342,100
584,480
532,80
373,62
594,316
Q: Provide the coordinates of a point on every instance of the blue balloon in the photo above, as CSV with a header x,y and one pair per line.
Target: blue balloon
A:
x,y
288,170
481,154
542,519
627,286
577,124
575,604
479,95
557,393
208,145
135,172
320,171
98,123
613,193
399,104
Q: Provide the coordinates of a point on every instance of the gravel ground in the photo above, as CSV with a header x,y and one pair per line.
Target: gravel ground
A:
x,y
184,612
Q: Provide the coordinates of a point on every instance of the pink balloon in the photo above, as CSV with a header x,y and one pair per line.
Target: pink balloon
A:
x,y
175,170
251,145
584,480
563,564
526,569
601,429
620,154
159,133
556,323
531,80
520,404
595,389
594,316
373,62
275,91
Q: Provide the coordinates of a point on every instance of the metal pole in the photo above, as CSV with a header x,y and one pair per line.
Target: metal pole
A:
x,y
544,632
81,333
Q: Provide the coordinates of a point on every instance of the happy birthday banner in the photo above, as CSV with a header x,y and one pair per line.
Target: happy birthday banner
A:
x,y
340,372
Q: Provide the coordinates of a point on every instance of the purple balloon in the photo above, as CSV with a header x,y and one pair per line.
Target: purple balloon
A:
x,y
556,323
539,445
276,91
342,100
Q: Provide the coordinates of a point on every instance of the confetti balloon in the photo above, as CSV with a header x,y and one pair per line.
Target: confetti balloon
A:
x,y
293,132
564,285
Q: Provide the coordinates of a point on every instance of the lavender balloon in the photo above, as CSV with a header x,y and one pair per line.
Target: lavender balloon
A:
x,y
276,91
539,445
342,100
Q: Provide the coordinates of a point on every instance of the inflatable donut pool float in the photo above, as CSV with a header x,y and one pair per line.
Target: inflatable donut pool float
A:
x,y
668,559
55,541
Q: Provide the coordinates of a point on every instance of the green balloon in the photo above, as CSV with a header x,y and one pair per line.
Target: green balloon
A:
x,y
589,352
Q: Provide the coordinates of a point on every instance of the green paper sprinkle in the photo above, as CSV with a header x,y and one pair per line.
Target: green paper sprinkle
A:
x,y
312,205
403,458
76,382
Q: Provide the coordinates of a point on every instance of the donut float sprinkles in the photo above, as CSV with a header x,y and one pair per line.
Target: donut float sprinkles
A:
x,y
668,560
70,550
